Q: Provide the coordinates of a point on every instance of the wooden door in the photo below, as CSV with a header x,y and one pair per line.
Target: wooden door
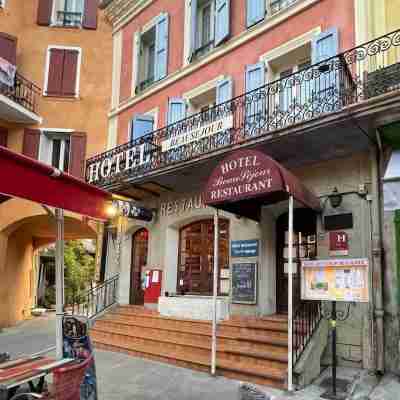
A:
x,y
304,248
139,259
196,256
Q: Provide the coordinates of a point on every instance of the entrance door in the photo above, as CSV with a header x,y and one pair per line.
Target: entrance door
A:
x,y
196,256
139,259
304,248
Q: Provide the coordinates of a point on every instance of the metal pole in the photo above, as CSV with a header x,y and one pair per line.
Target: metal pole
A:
x,y
334,358
59,282
215,292
290,296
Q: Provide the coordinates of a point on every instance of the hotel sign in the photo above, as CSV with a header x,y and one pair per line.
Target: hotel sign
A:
x,y
194,135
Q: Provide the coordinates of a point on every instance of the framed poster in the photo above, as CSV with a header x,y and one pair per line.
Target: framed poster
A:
x,y
244,283
335,280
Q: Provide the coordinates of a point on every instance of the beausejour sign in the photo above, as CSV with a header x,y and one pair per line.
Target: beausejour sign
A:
x,y
201,132
138,156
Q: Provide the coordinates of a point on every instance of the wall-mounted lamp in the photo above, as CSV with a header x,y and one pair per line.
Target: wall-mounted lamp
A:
x,y
335,198
111,210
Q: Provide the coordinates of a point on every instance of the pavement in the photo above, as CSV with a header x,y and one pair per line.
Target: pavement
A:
x,y
125,377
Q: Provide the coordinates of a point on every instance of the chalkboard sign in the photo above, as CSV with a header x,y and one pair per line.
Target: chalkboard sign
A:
x,y
244,283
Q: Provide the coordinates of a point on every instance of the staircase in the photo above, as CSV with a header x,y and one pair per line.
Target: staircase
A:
x,y
248,349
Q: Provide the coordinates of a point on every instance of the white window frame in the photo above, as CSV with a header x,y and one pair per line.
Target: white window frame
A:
x,y
136,48
53,19
201,89
48,135
78,67
200,12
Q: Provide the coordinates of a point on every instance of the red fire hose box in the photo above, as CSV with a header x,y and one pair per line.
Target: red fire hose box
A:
x,y
152,289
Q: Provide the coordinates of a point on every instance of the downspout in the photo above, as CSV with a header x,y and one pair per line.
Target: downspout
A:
x,y
377,255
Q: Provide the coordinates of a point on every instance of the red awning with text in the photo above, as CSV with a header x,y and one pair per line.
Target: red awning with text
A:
x,y
248,179
23,177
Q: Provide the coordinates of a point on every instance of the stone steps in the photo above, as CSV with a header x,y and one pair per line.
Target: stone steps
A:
x,y
246,349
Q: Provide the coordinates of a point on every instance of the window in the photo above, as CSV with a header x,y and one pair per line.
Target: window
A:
x,y
2,3
54,149
151,60
62,73
68,12
209,25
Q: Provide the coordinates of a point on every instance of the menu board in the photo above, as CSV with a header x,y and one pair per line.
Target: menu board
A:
x,y
335,280
244,283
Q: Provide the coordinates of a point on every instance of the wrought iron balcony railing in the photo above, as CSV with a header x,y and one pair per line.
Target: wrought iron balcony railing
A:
x,y
327,87
278,5
24,92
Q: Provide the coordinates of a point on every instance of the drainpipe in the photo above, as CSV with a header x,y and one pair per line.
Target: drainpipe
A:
x,y
377,255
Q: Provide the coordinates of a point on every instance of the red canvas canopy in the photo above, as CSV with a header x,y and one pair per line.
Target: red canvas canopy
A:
x,y
248,179
23,177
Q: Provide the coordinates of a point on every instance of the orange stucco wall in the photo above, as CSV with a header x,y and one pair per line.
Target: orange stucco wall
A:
x,y
324,13
20,220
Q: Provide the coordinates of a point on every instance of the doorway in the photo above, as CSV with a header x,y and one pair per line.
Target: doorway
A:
x,y
196,256
140,242
304,248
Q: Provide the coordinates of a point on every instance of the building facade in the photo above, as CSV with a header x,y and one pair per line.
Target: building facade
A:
x,y
53,55
195,81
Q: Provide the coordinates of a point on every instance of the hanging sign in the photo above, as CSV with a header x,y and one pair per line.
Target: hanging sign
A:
x,y
335,280
200,132
244,283
244,248
338,244
130,210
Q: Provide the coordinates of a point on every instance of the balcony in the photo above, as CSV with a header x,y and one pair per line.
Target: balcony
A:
x,y
19,102
328,110
69,19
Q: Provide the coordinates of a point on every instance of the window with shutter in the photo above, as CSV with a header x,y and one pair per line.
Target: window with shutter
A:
x,y
30,146
224,91
45,8
151,53
68,12
8,48
176,110
63,72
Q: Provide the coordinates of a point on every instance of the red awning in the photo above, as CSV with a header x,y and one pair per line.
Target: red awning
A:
x,y
23,177
248,179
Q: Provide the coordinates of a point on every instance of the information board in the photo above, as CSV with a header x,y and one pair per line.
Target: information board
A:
x,y
335,280
244,248
244,283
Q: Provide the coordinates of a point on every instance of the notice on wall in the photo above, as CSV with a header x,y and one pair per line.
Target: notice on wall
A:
x,y
244,248
335,280
244,283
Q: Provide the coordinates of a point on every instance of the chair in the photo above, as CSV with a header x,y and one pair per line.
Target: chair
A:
x,y
66,383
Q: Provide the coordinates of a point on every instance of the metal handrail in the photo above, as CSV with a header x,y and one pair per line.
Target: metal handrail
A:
x,y
24,92
306,319
95,300
326,87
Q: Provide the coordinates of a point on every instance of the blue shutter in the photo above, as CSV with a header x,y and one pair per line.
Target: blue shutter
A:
x,y
176,110
256,103
141,125
224,90
255,11
161,58
193,27
327,83
222,20
325,45
255,76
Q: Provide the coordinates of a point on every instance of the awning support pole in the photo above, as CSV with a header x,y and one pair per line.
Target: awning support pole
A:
x,y
215,293
290,297
59,282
